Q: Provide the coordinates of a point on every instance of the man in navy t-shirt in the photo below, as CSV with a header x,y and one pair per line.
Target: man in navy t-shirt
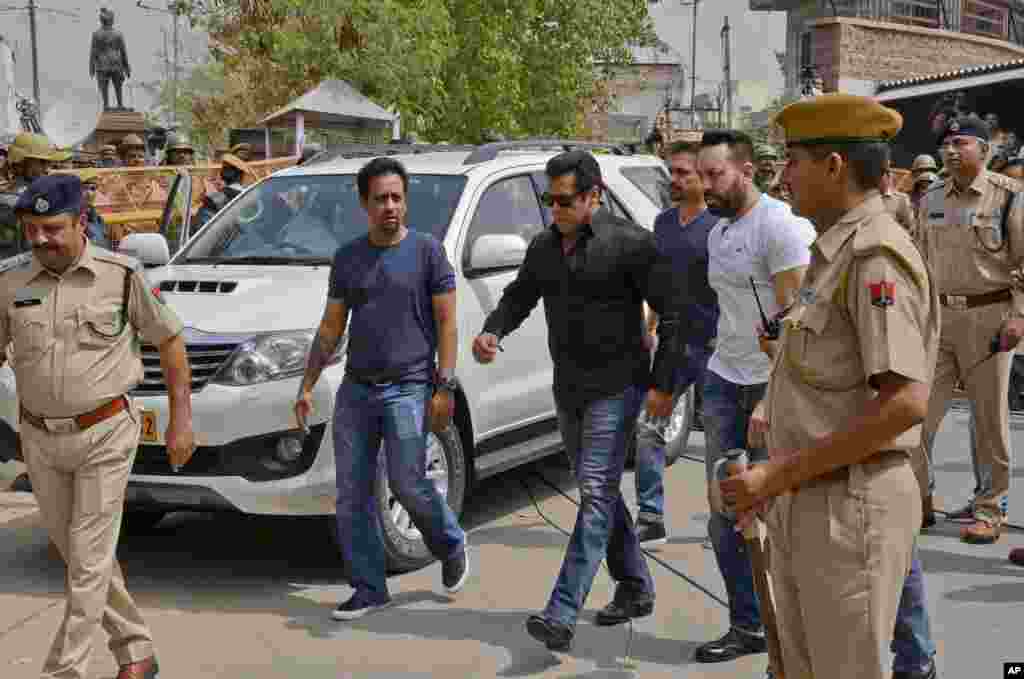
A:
x,y
681,234
395,289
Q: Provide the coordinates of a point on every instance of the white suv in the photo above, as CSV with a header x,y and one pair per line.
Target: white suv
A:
x,y
251,285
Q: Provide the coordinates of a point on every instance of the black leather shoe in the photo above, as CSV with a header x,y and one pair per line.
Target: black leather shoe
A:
x,y
627,603
554,635
930,673
733,645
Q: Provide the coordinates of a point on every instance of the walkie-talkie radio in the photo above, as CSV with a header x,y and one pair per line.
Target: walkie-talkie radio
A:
x,y
772,328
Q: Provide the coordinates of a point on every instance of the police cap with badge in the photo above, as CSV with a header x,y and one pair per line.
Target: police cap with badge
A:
x,y
50,196
838,119
969,125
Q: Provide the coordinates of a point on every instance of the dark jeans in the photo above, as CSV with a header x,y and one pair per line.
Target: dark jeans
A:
x,y
650,439
727,409
394,414
912,639
595,440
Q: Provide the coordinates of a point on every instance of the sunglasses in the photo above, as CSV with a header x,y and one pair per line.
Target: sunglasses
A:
x,y
549,199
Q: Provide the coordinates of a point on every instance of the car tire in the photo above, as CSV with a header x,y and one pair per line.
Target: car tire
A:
x,y
140,521
404,548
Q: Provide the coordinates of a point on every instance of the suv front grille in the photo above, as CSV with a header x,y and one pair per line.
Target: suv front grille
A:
x,y
204,359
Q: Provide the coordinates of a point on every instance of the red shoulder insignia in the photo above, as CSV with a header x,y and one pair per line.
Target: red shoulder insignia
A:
x,y
883,293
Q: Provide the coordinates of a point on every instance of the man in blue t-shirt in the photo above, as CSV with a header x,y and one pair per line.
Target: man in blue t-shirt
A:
x,y
399,289
681,234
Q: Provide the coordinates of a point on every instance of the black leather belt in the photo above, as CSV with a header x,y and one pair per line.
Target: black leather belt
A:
x,y
375,380
974,301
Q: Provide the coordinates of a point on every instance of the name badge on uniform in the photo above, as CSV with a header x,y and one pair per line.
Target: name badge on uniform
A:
x,y
28,298
936,215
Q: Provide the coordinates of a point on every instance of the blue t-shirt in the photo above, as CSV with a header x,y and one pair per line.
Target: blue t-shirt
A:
x,y
686,245
388,291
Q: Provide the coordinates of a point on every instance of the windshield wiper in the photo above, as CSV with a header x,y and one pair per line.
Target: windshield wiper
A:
x,y
260,259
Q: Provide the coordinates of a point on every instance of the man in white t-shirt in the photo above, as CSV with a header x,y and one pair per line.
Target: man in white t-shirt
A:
x,y
760,243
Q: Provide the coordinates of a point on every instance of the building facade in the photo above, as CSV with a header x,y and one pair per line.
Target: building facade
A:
x,y
853,44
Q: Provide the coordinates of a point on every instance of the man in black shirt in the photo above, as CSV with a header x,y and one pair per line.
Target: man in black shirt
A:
x,y
594,271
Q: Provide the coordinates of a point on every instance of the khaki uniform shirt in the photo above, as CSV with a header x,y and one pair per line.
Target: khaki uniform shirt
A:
x,y
72,349
898,205
867,307
961,236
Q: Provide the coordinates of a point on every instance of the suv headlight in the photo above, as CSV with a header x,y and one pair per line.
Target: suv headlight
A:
x,y
274,356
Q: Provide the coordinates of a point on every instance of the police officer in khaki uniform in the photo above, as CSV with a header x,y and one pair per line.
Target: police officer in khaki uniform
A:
x,y
133,151
897,203
71,312
848,391
179,150
972,233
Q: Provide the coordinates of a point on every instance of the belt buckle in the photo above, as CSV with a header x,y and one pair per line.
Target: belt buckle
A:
x,y
61,425
957,301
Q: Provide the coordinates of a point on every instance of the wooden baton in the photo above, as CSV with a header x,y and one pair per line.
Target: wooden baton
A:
x,y
759,569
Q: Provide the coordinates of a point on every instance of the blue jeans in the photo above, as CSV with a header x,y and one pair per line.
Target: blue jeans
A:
x,y
595,440
650,439
394,414
912,638
727,409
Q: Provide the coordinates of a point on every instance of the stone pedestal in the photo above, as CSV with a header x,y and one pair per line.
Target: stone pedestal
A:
x,y
114,125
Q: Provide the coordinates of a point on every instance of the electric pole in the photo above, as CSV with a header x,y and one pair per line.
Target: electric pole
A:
x,y
35,50
174,8
727,68
693,69
32,8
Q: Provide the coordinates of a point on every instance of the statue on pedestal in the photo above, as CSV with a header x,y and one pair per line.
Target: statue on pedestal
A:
x,y
108,59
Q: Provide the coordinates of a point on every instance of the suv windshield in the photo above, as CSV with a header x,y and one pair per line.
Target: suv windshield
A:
x,y
304,219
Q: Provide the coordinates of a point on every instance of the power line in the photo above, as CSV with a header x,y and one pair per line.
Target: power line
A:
x,y
32,8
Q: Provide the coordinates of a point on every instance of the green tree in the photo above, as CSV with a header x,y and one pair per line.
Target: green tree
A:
x,y
455,69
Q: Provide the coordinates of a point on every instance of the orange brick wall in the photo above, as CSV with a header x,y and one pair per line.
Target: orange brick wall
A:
x,y
864,50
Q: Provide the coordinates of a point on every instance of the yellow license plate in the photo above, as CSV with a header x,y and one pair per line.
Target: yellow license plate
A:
x,y
150,431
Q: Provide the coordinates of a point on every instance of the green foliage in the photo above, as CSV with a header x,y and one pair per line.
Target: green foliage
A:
x,y
456,70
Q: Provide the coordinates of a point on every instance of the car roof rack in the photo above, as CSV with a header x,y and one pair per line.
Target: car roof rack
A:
x,y
354,150
486,152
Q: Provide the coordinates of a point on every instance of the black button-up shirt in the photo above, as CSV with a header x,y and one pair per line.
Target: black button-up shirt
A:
x,y
593,301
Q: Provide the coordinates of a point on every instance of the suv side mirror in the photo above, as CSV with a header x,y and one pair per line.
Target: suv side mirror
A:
x,y
149,248
497,251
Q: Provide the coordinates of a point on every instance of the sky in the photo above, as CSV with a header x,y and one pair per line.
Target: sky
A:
x,y
64,46
755,38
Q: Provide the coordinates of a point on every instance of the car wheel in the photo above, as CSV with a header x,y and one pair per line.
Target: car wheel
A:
x,y
140,521
677,435
446,468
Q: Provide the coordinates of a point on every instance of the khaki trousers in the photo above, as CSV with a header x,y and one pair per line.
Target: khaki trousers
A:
x,y
964,342
840,551
79,480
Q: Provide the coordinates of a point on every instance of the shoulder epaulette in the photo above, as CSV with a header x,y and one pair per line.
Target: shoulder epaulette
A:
x,y
15,262
1004,182
883,233
127,262
941,184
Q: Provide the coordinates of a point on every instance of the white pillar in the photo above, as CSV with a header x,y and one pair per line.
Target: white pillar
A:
x,y
300,132
266,142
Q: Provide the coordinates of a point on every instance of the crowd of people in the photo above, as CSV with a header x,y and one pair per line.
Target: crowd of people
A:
x,y
824,316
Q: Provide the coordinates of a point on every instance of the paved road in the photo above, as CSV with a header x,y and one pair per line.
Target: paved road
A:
x,y
233,596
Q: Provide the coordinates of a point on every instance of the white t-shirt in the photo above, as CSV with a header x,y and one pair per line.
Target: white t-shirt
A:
x,y
765,241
